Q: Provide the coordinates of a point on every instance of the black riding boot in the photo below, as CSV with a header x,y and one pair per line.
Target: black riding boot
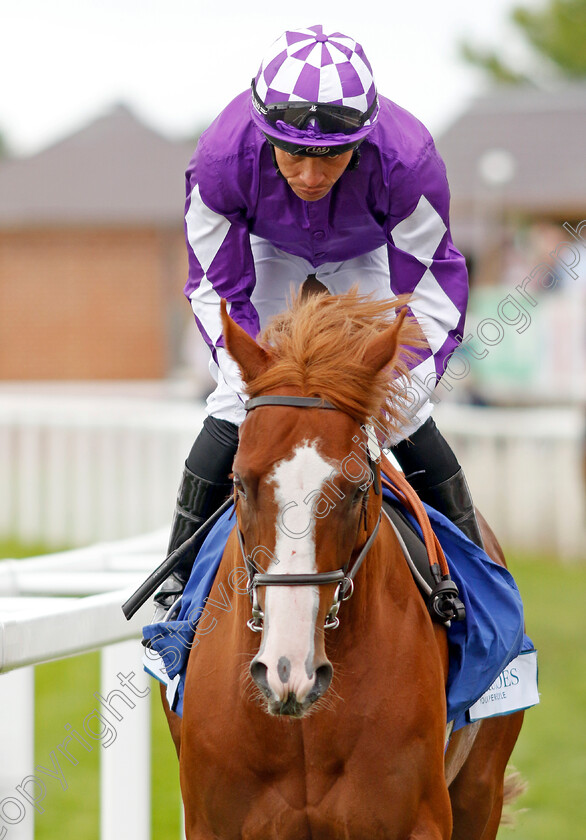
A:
x,y
433,470
204,487
197,500
452,498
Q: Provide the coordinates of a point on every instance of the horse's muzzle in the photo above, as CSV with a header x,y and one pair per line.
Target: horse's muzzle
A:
x,y
287,702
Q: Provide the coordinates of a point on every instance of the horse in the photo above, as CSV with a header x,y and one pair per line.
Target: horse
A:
x,y
329,722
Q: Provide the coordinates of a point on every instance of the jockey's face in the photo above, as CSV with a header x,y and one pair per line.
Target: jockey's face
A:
x,y
311,178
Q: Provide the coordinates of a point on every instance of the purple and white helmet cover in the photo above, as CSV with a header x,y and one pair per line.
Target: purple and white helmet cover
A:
x,y
309,65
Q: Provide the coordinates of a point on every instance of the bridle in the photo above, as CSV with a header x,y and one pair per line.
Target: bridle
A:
x,y
442,601
344,577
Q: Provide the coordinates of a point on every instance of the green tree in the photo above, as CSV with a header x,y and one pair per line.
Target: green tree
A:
x,y
556,35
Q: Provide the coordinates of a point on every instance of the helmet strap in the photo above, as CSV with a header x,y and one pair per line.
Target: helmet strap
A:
x,y
275,164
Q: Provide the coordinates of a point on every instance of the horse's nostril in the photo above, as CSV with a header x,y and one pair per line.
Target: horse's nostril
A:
x,y
258,672
323,678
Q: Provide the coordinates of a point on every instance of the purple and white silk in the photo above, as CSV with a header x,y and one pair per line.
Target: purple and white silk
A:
x,y
394,204
309,65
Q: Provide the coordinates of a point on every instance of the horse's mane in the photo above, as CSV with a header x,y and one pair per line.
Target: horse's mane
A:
x,y
317,346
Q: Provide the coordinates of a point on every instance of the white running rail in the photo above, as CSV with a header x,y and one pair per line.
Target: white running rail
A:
x,y
81,468
527,472
36,628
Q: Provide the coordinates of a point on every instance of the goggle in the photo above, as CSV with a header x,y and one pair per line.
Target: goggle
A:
x,y
331,119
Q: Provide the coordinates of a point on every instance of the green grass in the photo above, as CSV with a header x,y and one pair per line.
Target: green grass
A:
x,y
64,695
13,548
550,754
551,751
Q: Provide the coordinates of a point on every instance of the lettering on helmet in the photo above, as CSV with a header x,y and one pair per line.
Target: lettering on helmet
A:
x,y
317,150
259,106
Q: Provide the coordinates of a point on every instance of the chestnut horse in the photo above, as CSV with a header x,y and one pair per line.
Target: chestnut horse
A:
x,y
302,732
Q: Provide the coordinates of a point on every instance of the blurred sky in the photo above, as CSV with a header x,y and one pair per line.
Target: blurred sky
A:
x,y
178,62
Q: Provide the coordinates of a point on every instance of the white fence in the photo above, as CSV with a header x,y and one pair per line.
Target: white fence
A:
x,y
78,470
527,472
35,628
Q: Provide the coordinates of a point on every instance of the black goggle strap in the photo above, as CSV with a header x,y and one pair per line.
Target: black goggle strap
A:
x,y
332,119
310,151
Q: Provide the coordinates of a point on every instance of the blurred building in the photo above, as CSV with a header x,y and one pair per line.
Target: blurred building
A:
x,y
93,262
515,163
92,257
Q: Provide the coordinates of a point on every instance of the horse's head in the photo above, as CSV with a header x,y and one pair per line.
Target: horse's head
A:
x,y
307,503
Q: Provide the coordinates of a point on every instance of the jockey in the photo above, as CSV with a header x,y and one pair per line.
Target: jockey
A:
x,y
311,176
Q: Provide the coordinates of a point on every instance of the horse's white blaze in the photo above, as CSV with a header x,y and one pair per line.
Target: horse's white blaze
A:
x,y
290,611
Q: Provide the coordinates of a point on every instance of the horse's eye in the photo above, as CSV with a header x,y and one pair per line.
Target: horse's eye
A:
x,y
239,487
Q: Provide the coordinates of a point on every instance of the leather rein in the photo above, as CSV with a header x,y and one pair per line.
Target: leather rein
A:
x,y
440,601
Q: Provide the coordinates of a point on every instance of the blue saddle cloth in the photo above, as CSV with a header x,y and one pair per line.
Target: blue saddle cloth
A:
x,y
480,647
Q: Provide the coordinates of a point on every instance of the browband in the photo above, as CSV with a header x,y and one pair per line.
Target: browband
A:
x,y
294,402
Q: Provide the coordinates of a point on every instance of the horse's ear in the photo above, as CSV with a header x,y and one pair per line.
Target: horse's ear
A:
x,y
249,355
383,349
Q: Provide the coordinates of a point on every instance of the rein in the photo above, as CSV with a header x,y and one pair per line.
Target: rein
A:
x,y
443,601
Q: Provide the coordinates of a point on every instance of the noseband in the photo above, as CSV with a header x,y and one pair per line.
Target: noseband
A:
x,y
344,577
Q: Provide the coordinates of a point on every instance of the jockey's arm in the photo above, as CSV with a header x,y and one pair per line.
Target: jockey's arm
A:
x,y
423,261
220,266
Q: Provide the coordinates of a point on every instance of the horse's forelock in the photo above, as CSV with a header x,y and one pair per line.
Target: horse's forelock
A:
x,y
318,345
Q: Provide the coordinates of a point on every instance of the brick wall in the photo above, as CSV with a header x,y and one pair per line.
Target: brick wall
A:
x,y
80,303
